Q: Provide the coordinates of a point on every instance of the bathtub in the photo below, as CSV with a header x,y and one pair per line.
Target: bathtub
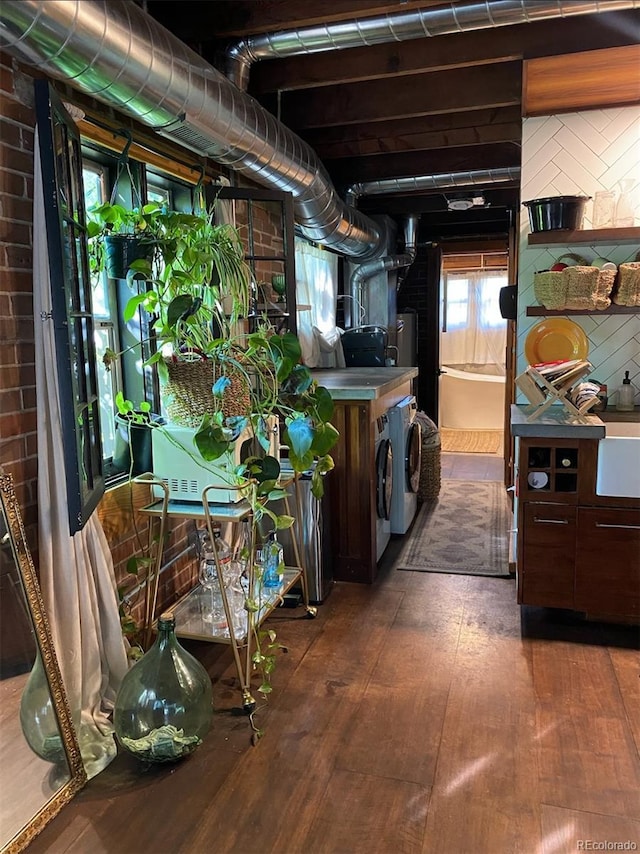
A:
x,y
471,401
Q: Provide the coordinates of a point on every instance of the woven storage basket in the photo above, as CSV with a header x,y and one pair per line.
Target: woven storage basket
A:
x,y
588,287
627,289
550,289
190,396
430,468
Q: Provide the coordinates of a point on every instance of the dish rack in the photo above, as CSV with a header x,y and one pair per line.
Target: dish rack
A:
x,y
543,385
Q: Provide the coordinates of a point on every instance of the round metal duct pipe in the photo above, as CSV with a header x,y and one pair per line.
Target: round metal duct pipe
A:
x,y
449,18
115,52
438,181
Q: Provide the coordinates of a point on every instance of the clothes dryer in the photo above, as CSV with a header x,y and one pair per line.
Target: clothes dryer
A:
x,y
406,440
384,484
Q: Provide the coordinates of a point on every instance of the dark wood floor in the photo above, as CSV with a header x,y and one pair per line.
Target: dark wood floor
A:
x,y
424,714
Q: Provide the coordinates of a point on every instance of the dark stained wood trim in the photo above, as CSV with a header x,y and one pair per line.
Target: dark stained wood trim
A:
x,y
375,100
397,165
540,38
597,78
412,134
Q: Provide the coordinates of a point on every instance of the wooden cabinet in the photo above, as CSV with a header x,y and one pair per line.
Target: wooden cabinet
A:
x,y
574,551
547,565
607,572
351,486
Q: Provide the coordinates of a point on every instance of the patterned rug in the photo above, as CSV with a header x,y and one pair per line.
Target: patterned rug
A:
x,y
465,531
471,441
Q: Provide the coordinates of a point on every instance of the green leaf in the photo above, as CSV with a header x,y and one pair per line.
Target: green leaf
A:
x,y
132,306
179,308
133,566
325,437
284,522
211,440
324,403
300,436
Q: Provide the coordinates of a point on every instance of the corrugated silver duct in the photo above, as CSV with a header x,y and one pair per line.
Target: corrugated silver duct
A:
x,y
438,181
121,56
401,26
370,269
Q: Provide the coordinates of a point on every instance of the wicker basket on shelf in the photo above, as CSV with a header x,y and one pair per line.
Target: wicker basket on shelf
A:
x,y
588,287
579,286
627,289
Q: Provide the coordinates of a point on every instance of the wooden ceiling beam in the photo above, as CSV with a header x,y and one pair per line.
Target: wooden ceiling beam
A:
x,y
419,203
477,127
239,18
381,167
381,100
525,41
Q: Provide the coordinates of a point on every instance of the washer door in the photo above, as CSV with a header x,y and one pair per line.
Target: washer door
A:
x,y
413,459
384,478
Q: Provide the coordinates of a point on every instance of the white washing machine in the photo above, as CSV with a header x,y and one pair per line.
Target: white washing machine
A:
x,y
384,484
406,440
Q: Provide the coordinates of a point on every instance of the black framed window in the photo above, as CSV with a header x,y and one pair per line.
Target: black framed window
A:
x,y
71,297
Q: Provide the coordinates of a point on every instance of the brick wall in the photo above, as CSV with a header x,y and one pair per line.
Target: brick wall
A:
x,y
125,527
18,450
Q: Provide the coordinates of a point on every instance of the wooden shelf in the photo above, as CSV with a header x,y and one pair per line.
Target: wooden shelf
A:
x,y
591,235
541,311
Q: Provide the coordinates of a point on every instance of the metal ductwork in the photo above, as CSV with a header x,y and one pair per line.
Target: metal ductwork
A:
x,y
368,270
438,181
115,52
401,26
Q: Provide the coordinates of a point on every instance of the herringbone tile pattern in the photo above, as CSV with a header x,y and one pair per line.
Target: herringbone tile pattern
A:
x,y
581,153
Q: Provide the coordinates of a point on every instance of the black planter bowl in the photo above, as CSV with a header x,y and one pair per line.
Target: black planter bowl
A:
x,y
121,250
556,213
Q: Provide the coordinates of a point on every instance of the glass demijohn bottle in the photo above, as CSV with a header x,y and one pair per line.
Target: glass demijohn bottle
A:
x,y
164,706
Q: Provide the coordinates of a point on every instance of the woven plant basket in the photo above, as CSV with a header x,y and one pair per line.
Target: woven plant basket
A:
x,y
430,468
627,289
190,396
588,287
550,289
550,286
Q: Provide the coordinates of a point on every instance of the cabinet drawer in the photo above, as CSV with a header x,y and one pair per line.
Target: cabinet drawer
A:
x,y
608,562
548,533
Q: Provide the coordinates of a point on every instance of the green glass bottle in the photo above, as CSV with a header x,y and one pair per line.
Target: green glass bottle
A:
x,y
38,718
164,706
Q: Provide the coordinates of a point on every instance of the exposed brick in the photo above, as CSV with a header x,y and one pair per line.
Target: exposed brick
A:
x,y
12,183
6,80
15,232
12,207
29,398
16,111
22,299
18,161
11,400
19,257
17,423
10,134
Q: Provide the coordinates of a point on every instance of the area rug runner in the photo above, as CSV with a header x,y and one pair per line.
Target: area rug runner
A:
x,y
465,531
471,441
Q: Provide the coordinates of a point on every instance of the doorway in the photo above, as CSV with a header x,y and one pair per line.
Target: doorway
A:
x,y
473,345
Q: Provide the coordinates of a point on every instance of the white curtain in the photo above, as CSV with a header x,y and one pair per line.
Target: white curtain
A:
x,y
316,296
474,335
76,573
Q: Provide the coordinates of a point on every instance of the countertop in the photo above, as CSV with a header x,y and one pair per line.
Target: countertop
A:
x,y
557,423
362,383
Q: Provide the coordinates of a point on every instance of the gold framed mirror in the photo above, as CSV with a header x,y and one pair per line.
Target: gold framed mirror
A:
x,y
41,767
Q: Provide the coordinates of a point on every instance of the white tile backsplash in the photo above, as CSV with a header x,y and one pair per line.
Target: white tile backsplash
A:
x,y
581,153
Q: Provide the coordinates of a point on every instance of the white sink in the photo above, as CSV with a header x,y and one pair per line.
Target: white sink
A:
x,y
619,460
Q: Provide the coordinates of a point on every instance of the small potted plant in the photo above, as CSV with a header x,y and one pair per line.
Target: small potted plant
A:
x,y
118,236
